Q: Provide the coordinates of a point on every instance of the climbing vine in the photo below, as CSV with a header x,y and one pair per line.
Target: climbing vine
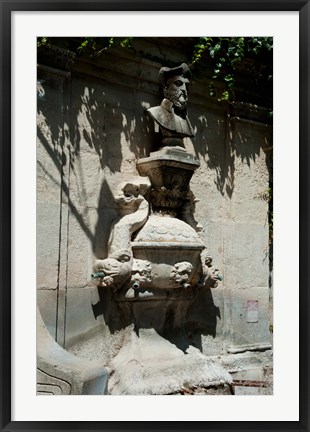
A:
x,y
267,196
225,54
220,57
96,46
90,46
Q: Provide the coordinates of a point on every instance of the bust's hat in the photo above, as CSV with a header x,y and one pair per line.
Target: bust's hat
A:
x,y
165,73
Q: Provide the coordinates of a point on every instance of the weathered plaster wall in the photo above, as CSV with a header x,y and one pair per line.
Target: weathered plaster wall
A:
x,y
91,131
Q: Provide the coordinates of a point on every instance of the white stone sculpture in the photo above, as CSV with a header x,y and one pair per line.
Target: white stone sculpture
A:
x,y
115,269
157,260
180,274
133,210
211,274
171,114
141,274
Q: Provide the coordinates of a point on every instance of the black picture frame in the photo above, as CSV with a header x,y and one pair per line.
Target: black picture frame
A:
x,y
9,6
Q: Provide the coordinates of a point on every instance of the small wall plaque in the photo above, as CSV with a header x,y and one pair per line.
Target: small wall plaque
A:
x,y
252,311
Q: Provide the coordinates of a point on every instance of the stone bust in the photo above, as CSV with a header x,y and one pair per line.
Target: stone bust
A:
x,y
171,115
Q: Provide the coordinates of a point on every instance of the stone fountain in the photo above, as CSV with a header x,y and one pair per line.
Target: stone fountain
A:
x,y
157,261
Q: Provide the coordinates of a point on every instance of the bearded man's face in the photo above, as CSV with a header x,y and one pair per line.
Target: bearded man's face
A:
x,y
176,91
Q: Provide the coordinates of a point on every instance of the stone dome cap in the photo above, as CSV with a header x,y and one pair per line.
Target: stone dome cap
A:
x,y
166,229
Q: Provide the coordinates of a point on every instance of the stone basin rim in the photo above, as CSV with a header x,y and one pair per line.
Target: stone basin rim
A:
x,y
186,163
167,245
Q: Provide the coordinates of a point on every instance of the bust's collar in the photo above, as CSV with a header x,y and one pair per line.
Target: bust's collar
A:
x,y
167,104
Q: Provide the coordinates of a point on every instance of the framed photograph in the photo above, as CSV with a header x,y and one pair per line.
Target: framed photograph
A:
x,y
151,238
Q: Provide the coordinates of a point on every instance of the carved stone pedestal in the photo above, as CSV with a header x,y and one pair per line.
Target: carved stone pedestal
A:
x,y
170,170
148,364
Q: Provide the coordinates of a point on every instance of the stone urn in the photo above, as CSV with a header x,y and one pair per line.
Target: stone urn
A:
x,y
173,248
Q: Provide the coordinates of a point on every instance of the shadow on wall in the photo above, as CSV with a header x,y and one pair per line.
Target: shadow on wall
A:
x,y
201,318
68,130
213,143
104,122
174,320
93,120
222,139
